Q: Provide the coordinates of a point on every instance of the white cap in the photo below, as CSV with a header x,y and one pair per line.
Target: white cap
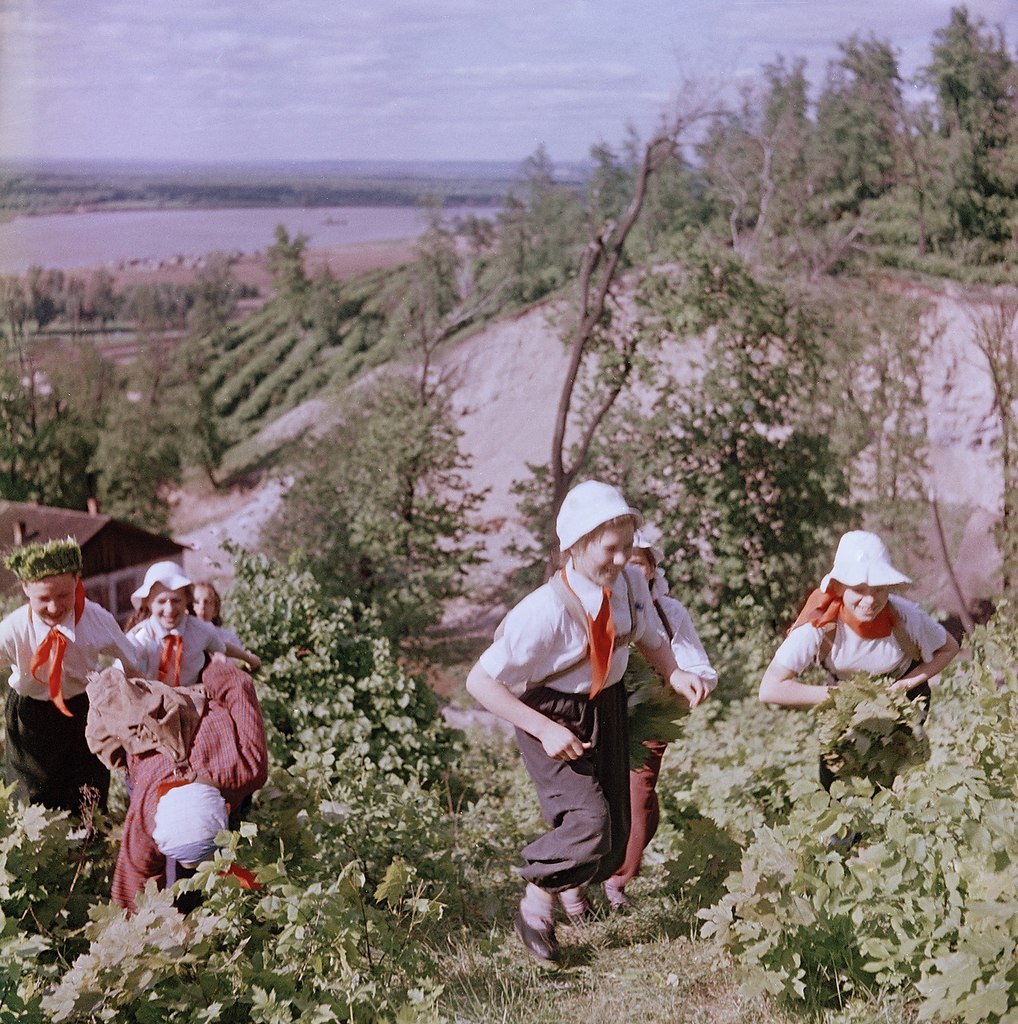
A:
x,y
588,506
863,557
169,574
188,818
642,540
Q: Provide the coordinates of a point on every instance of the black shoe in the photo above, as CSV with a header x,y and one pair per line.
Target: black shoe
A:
x,y
540,941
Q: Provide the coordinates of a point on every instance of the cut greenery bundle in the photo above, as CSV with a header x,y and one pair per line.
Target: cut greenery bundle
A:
x,y
866,731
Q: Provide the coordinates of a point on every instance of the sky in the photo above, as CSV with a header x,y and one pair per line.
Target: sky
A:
x,y
297,80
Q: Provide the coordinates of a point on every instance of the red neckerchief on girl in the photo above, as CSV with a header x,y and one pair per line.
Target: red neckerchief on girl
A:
x,y
52,650
822,608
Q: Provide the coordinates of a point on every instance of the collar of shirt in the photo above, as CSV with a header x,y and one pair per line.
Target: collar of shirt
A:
x,y
585,589
160,634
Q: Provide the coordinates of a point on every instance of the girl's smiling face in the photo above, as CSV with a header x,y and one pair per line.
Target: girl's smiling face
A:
x,y
168,607
206,607
865,602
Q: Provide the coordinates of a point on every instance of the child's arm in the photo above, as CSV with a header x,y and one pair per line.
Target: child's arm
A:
x,y
780,686
558,741
923,673
235,651
686,684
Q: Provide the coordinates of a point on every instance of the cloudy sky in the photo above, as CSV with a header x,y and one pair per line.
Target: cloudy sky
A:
x,y
210,80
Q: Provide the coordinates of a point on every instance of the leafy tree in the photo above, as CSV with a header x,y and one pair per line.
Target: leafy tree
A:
x,y
214,295
746,489
976,83
541,232
858,124
137,458
381,509
755,162
44,294
285,259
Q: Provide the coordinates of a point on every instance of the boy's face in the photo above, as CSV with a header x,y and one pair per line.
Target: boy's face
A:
x,y
603,557
52,598
168,607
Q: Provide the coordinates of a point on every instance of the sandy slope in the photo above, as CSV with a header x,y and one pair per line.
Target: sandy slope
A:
x,y
508,380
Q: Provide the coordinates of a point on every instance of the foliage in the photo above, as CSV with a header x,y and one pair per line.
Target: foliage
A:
x,y
381,510
867,732
316,648
655,711
921,901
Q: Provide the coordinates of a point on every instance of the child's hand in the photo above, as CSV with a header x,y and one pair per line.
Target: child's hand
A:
x,y
560,743
254,661
689,686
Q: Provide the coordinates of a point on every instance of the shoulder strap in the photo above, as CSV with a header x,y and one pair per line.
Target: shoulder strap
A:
x,y
905,641
826,643
665,621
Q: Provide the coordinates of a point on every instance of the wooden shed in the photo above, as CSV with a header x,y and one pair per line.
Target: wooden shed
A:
x,y
115,554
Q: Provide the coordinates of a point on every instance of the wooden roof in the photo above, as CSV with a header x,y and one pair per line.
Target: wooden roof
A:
x,y
107,544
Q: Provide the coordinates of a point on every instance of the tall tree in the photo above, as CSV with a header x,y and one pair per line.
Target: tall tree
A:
x,y
598,338
976,84
381,508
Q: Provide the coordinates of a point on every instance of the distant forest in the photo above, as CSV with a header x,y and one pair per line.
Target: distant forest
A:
x,y
56,187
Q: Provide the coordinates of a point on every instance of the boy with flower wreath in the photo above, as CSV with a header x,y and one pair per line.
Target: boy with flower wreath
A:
x,y
51,643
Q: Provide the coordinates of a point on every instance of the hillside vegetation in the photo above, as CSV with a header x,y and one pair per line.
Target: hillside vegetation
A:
x,y
755,363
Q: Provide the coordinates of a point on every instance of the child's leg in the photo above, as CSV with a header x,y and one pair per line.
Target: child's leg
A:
x,y
646,815
572,801
47,756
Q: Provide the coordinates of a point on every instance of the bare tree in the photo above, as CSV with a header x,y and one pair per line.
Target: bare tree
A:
x,y
597,281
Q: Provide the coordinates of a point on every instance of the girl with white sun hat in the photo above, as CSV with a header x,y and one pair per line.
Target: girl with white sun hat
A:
x,y
857,622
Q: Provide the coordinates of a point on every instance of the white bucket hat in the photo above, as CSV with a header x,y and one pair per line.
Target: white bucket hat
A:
x,y
169,574
187,821
642,540
586,507
863,557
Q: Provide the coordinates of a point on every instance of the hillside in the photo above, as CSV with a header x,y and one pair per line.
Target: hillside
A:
x,y
508,377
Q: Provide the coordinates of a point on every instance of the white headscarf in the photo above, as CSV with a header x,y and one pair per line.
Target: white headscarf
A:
x,y
187,821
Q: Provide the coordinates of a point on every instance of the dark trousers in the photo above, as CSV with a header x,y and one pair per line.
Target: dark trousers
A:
x,y
645,810
585,802
47,757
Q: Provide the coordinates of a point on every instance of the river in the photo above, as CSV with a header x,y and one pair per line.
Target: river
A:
x,y
117,238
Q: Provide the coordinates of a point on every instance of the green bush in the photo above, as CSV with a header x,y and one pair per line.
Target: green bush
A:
x,y
910,887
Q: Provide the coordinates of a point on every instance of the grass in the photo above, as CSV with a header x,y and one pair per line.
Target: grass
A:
x,y
648,964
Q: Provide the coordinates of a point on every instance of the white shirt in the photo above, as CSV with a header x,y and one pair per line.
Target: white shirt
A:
x,y
686,646
95,634
540,637
199,637
851,653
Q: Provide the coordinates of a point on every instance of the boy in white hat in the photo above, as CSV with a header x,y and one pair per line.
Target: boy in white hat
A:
x,y
174,816
856,622
553,672
172,641
51,644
